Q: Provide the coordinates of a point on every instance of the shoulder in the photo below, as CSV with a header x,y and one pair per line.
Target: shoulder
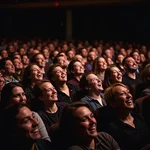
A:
x,y
44,145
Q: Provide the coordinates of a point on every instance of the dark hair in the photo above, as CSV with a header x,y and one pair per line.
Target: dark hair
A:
x,y
68,120
33,58
71,64
50,71
7,93
83,81
3,62
9,117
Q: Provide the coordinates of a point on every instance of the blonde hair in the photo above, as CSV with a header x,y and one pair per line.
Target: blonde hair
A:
x,y
109,94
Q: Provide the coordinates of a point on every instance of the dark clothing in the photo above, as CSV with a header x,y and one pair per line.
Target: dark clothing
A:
x,y
43,145
131,83
74,81
104,115
52,118
130,138
29,91
103,142
65,98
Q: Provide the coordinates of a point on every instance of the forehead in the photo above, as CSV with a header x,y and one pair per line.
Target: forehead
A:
x,y
17,60
77,63
129,59
57,68
114,68
119,89
8,62
40,56
91,76
101,59
46,85
23,112
82,111
17,89
35,67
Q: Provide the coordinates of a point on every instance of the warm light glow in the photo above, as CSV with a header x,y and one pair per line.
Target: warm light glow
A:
x,y
56,4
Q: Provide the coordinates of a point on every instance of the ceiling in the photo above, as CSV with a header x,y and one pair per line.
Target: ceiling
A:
x,y
62,3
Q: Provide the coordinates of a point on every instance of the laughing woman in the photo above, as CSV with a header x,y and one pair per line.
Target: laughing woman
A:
x,y
21,129
78,126
32,74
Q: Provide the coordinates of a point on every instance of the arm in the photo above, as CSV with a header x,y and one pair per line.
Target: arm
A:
x,y
42,128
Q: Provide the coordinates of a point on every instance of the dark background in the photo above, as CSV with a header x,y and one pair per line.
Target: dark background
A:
x,y
128,22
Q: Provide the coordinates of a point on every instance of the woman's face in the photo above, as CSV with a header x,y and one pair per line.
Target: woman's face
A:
x,y
85,126
2,82
123,98
102,64
40,60
18,96
27,124
59,74
115,75
36,73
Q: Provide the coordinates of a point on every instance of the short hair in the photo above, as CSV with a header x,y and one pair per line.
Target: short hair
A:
x,y
109,94
71,64
37,89
50,71
55,61
3,62
83,81
33,58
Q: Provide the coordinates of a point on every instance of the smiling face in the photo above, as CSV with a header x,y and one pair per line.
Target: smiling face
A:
x,y
115,75
18,96
85,126
27,124
40,60
36,73
59,74
78,68
130,64
102,64
49,92
123,98
94,83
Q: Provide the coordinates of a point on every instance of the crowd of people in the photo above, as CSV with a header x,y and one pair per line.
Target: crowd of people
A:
x,y
74,95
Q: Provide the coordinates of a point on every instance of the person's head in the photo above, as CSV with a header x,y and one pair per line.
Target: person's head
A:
x,y
129,64
57,74
18,64
39,59
16,94
70,54
99,65
119,97
25,59
4,53
112,75
119,59
6,66
46,53
135,56
61,60
142,58
91,56
76,67
80,58
78,122
45,91
32,73
91,82
20,122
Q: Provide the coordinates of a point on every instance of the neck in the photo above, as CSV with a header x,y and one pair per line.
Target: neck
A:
x,y
132,75
96,96
61,85
51,108
9,78
90,143
124,115
78,77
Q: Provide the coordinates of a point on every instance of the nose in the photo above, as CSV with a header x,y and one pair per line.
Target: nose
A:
x,y
34,122
22,98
